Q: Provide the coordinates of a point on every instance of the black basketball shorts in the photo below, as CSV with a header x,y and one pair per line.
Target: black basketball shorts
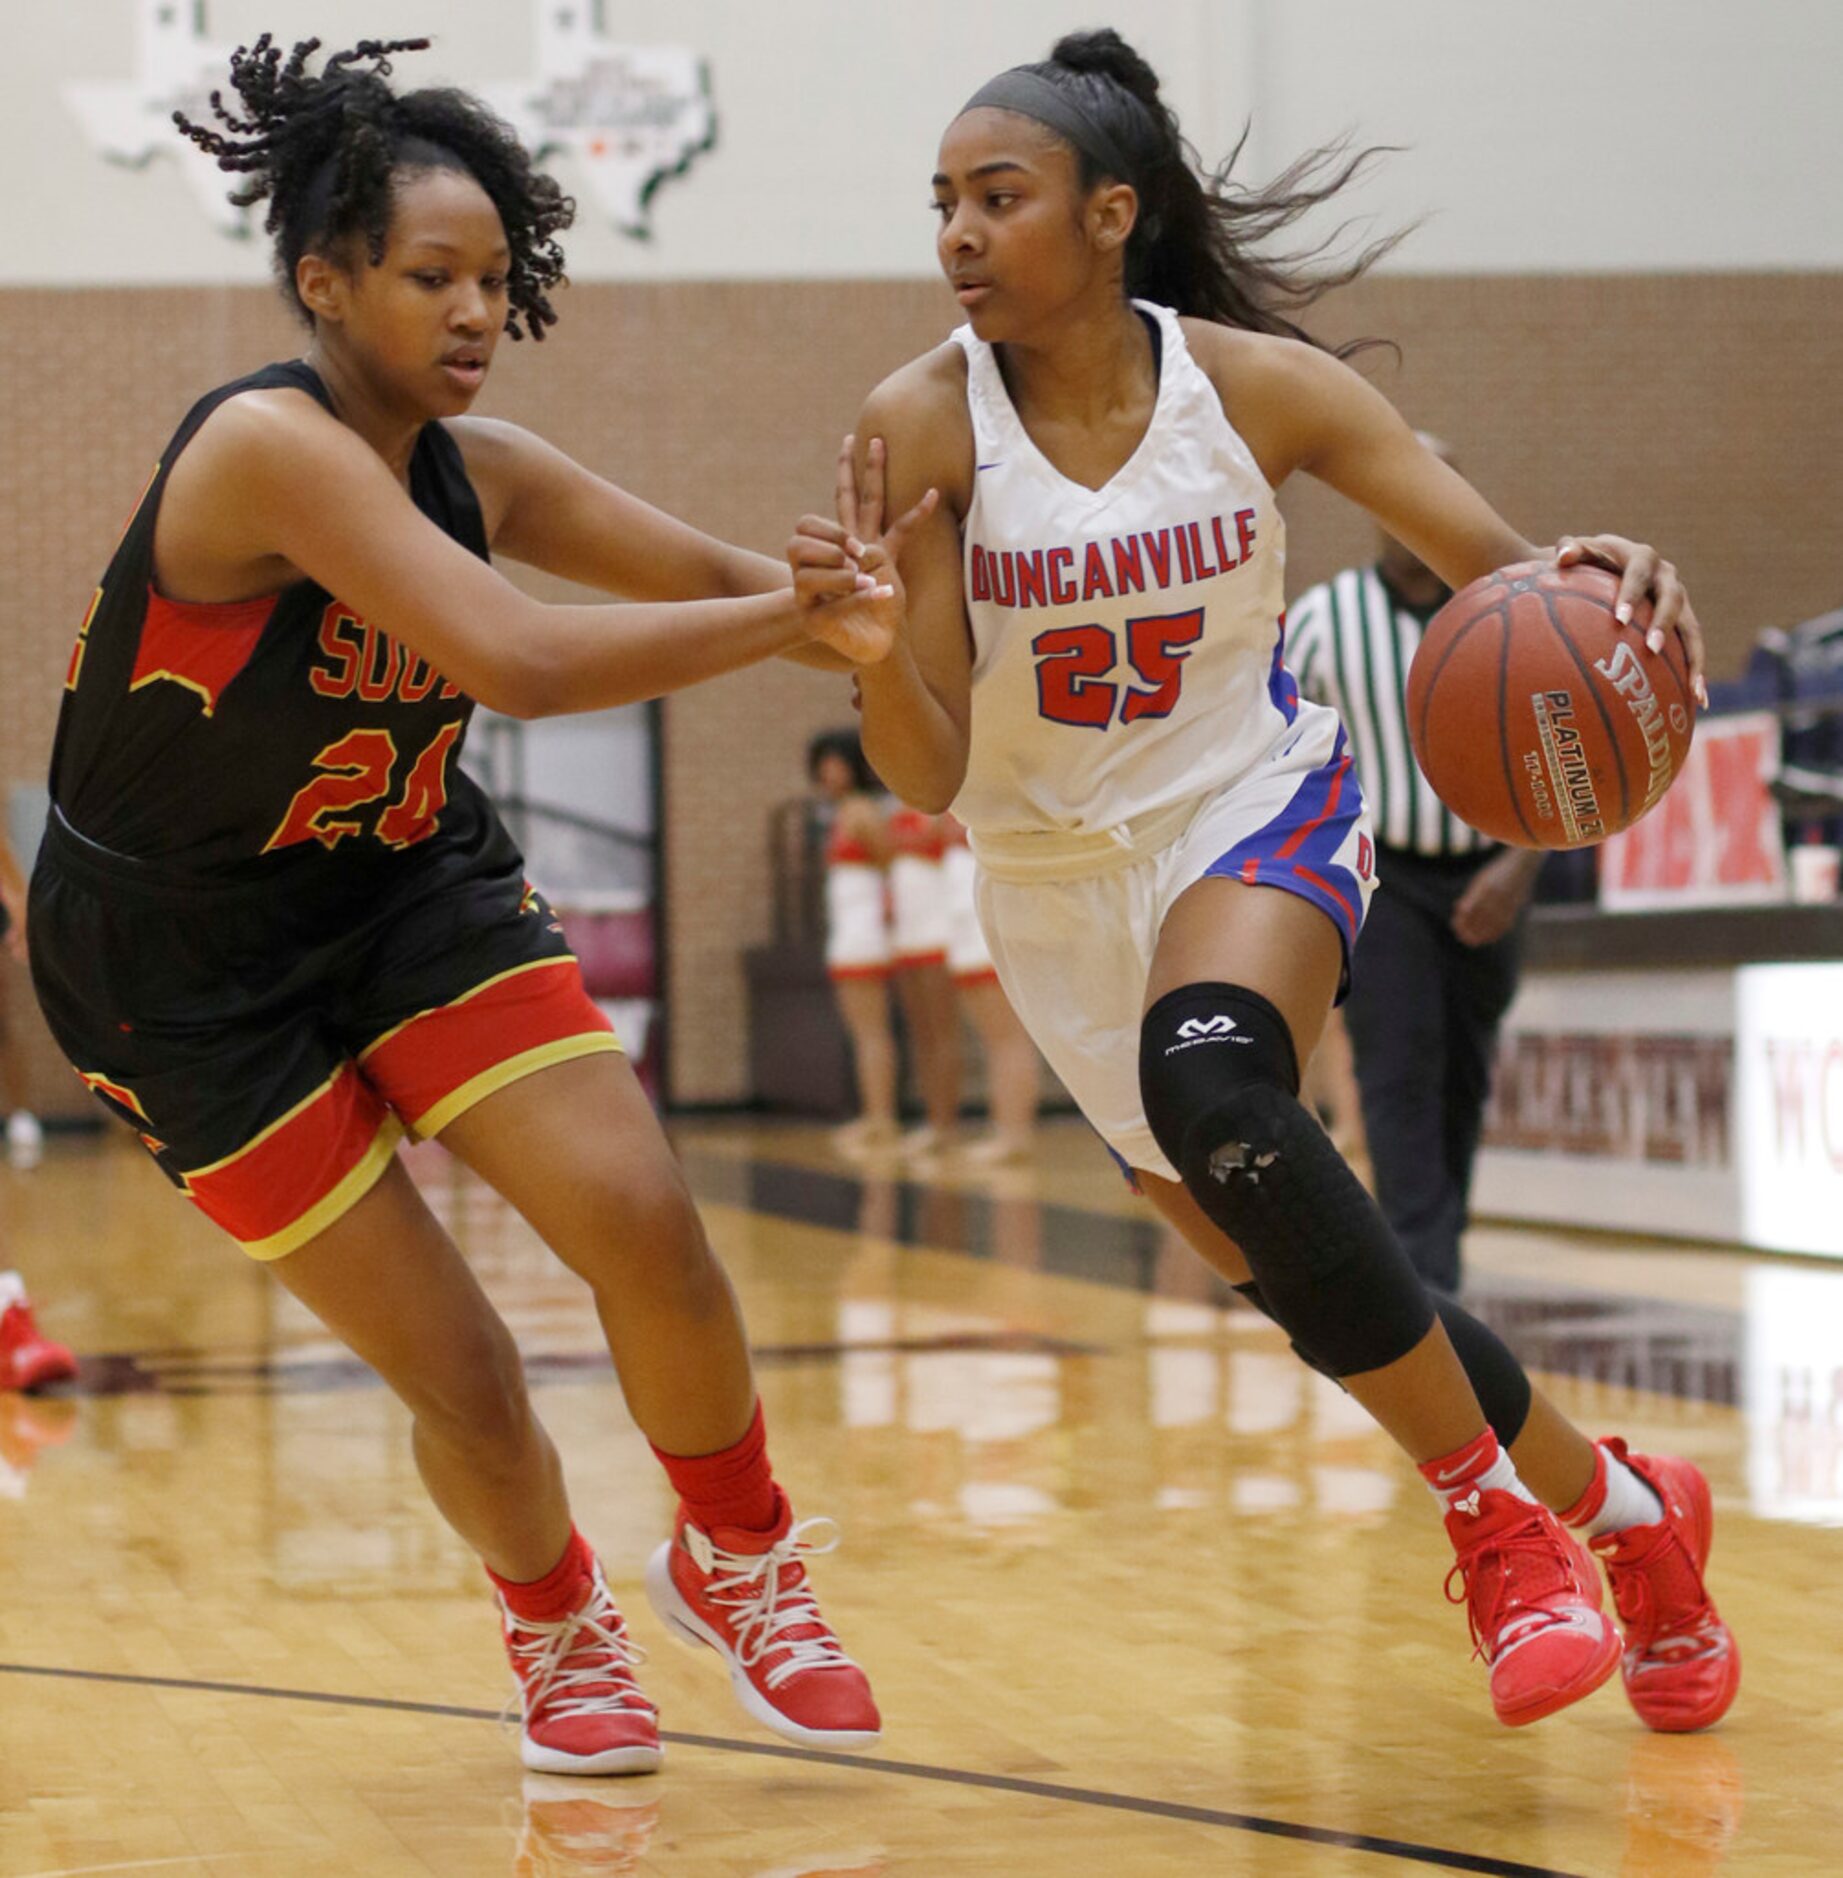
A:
x,y
270,1041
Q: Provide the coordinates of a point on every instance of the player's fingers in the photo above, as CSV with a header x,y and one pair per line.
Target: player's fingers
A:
x,y
1635,582
1689,630
872,493
846,497
899,531
1593,550
822,530
818,584
1668,595
809,551
816,528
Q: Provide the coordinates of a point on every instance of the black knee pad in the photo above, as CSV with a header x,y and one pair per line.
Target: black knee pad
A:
x,y
1218,1078
1497,1378
1204,1046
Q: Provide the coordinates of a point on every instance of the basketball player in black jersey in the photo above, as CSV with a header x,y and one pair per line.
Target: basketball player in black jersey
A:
x,y
274,925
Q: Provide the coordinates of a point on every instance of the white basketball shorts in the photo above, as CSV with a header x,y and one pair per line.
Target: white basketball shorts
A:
x,y
1073,941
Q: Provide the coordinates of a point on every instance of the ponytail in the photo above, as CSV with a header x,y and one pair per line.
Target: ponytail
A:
x,y
1200,245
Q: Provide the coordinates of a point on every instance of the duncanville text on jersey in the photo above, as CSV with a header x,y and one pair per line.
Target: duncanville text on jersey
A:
x,y
1156,559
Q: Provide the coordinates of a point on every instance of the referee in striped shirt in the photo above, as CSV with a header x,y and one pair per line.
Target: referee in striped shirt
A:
x,y
1436,966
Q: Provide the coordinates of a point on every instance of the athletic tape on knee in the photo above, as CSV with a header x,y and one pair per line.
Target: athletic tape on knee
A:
x,y
1218,1078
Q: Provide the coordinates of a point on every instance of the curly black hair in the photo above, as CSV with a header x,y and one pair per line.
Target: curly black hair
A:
x,y
325,150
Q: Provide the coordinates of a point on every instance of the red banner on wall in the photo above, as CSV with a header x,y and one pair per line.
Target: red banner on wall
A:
x,y
1715,839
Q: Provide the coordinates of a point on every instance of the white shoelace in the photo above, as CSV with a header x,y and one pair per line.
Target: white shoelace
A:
x,y
541,1653
749,1584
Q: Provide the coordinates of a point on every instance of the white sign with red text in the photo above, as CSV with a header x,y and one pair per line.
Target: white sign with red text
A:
x,y
1789,1106
1715,839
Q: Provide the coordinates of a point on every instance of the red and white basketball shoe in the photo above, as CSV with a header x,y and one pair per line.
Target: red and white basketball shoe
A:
x,y
27,1360
584,1713
746,1595
1681,1663
1534,1602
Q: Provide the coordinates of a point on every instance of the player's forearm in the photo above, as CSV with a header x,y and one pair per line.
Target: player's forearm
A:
x,y
911,741
746,572
595,657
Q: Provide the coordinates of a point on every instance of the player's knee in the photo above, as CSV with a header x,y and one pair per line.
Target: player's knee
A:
x,y
478,1403
1218,1079
647,1242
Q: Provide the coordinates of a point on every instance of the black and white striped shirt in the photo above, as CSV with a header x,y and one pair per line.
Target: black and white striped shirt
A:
x,y
1349,642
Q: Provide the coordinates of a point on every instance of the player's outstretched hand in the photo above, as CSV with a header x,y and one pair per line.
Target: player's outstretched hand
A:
x,y
845,571
1644,574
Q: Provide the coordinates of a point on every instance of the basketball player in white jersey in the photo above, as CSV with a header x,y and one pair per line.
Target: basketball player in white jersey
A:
x,y
1174,852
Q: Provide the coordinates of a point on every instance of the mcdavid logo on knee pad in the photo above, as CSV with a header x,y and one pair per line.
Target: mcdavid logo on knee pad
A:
x,y
1195,1030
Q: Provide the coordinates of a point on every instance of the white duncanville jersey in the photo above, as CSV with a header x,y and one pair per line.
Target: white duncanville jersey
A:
x,y
1127,641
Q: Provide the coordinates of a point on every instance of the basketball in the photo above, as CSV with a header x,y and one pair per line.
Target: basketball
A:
x,y
1537,717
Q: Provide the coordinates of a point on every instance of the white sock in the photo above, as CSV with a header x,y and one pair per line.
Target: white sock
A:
x,y
1499,1477
1628,1502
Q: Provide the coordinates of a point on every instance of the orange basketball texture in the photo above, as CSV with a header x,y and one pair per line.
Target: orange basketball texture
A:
x,y
1537,717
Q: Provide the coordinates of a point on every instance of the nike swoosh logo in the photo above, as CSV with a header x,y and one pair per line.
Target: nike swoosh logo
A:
x,y
999,464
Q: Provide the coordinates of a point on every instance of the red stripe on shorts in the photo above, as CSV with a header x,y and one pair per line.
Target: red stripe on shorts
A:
x,y
1297,838
1325,887
432,1056
265,1188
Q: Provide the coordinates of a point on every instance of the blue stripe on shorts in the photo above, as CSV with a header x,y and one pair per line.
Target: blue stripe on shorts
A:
x,y
1295,851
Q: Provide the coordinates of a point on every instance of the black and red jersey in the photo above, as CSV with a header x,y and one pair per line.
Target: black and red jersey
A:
x,y
254,734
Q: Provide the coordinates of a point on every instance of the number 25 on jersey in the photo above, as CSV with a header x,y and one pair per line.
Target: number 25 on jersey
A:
x,y
1075,666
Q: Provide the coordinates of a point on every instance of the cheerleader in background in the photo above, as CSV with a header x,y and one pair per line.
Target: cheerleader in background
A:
x,y
858,959
1010,1057
919,932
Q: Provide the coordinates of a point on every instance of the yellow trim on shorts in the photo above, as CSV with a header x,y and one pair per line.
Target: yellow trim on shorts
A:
x,y
256,1140
473,991
331,1206
512,1069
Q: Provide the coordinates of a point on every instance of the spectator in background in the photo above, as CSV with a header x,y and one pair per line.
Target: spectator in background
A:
x,y
24,1137
1436,966
858,957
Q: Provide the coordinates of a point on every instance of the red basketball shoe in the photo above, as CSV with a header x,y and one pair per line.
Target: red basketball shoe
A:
x,y
745,1594
1681,1663
1534,1602
584,1713
27,1360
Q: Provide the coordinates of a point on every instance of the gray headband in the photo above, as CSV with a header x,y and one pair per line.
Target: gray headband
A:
x,y
1030,94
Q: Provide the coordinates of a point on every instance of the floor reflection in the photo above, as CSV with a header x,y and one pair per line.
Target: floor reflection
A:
x,y
1684,1802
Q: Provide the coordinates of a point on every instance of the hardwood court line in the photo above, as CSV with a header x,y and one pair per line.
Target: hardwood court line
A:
x,y
863,1763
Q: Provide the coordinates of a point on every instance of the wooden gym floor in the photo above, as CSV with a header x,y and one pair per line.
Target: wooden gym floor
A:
x,y
1140,1594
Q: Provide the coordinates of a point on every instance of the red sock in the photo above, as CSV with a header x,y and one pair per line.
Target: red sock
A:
x,y
1463,1464
550,1599
733,1487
